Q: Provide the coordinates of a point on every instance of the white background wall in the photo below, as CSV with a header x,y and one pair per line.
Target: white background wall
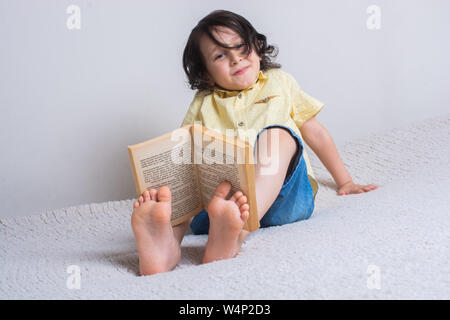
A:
x,y
71,101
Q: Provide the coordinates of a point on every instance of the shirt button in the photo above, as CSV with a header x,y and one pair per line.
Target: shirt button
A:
x,y
240,124
240,95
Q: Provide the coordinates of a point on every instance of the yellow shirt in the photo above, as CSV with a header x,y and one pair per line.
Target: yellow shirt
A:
x,y
274,99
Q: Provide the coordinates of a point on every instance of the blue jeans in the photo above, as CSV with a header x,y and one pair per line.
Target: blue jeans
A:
x,y
295,201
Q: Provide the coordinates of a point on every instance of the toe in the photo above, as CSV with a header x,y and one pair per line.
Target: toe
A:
x,y
153,194
244,207
164,194
241,200
244,215
223,189
141,200
146,195
236,196
136,204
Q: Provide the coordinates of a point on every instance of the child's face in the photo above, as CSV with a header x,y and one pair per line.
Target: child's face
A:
x,y
222,63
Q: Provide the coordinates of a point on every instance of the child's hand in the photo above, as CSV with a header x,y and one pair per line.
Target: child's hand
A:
x,y
351,188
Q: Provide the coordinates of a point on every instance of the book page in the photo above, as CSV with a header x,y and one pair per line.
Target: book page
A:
x,y
218,164
167,161
211,175
220,157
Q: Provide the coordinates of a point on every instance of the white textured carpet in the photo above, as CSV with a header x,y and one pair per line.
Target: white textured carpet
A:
x,y
396,238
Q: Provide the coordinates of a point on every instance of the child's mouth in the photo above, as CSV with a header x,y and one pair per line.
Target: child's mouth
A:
x,y
242,71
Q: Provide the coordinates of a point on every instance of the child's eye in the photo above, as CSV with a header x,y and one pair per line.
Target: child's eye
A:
x,y
239,46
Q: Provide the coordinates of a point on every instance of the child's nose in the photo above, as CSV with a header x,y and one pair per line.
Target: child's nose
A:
x,y
235,57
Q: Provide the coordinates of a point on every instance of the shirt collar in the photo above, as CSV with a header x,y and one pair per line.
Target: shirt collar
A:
x,y
229,93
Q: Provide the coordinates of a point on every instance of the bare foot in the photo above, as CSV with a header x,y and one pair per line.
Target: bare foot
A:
x,y
159,251
226,220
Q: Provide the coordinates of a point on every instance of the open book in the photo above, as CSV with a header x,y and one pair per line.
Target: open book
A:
x,y
192,161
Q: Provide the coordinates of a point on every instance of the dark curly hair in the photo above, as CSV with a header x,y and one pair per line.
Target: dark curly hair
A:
x,y
193,60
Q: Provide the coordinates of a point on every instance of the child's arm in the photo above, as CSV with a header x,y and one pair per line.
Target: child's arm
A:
x,y
320,141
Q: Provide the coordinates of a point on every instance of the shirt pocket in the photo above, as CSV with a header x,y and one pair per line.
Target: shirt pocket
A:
x,y
274,109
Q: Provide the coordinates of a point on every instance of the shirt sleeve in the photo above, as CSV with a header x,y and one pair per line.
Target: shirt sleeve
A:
x,y
193,111
304,106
